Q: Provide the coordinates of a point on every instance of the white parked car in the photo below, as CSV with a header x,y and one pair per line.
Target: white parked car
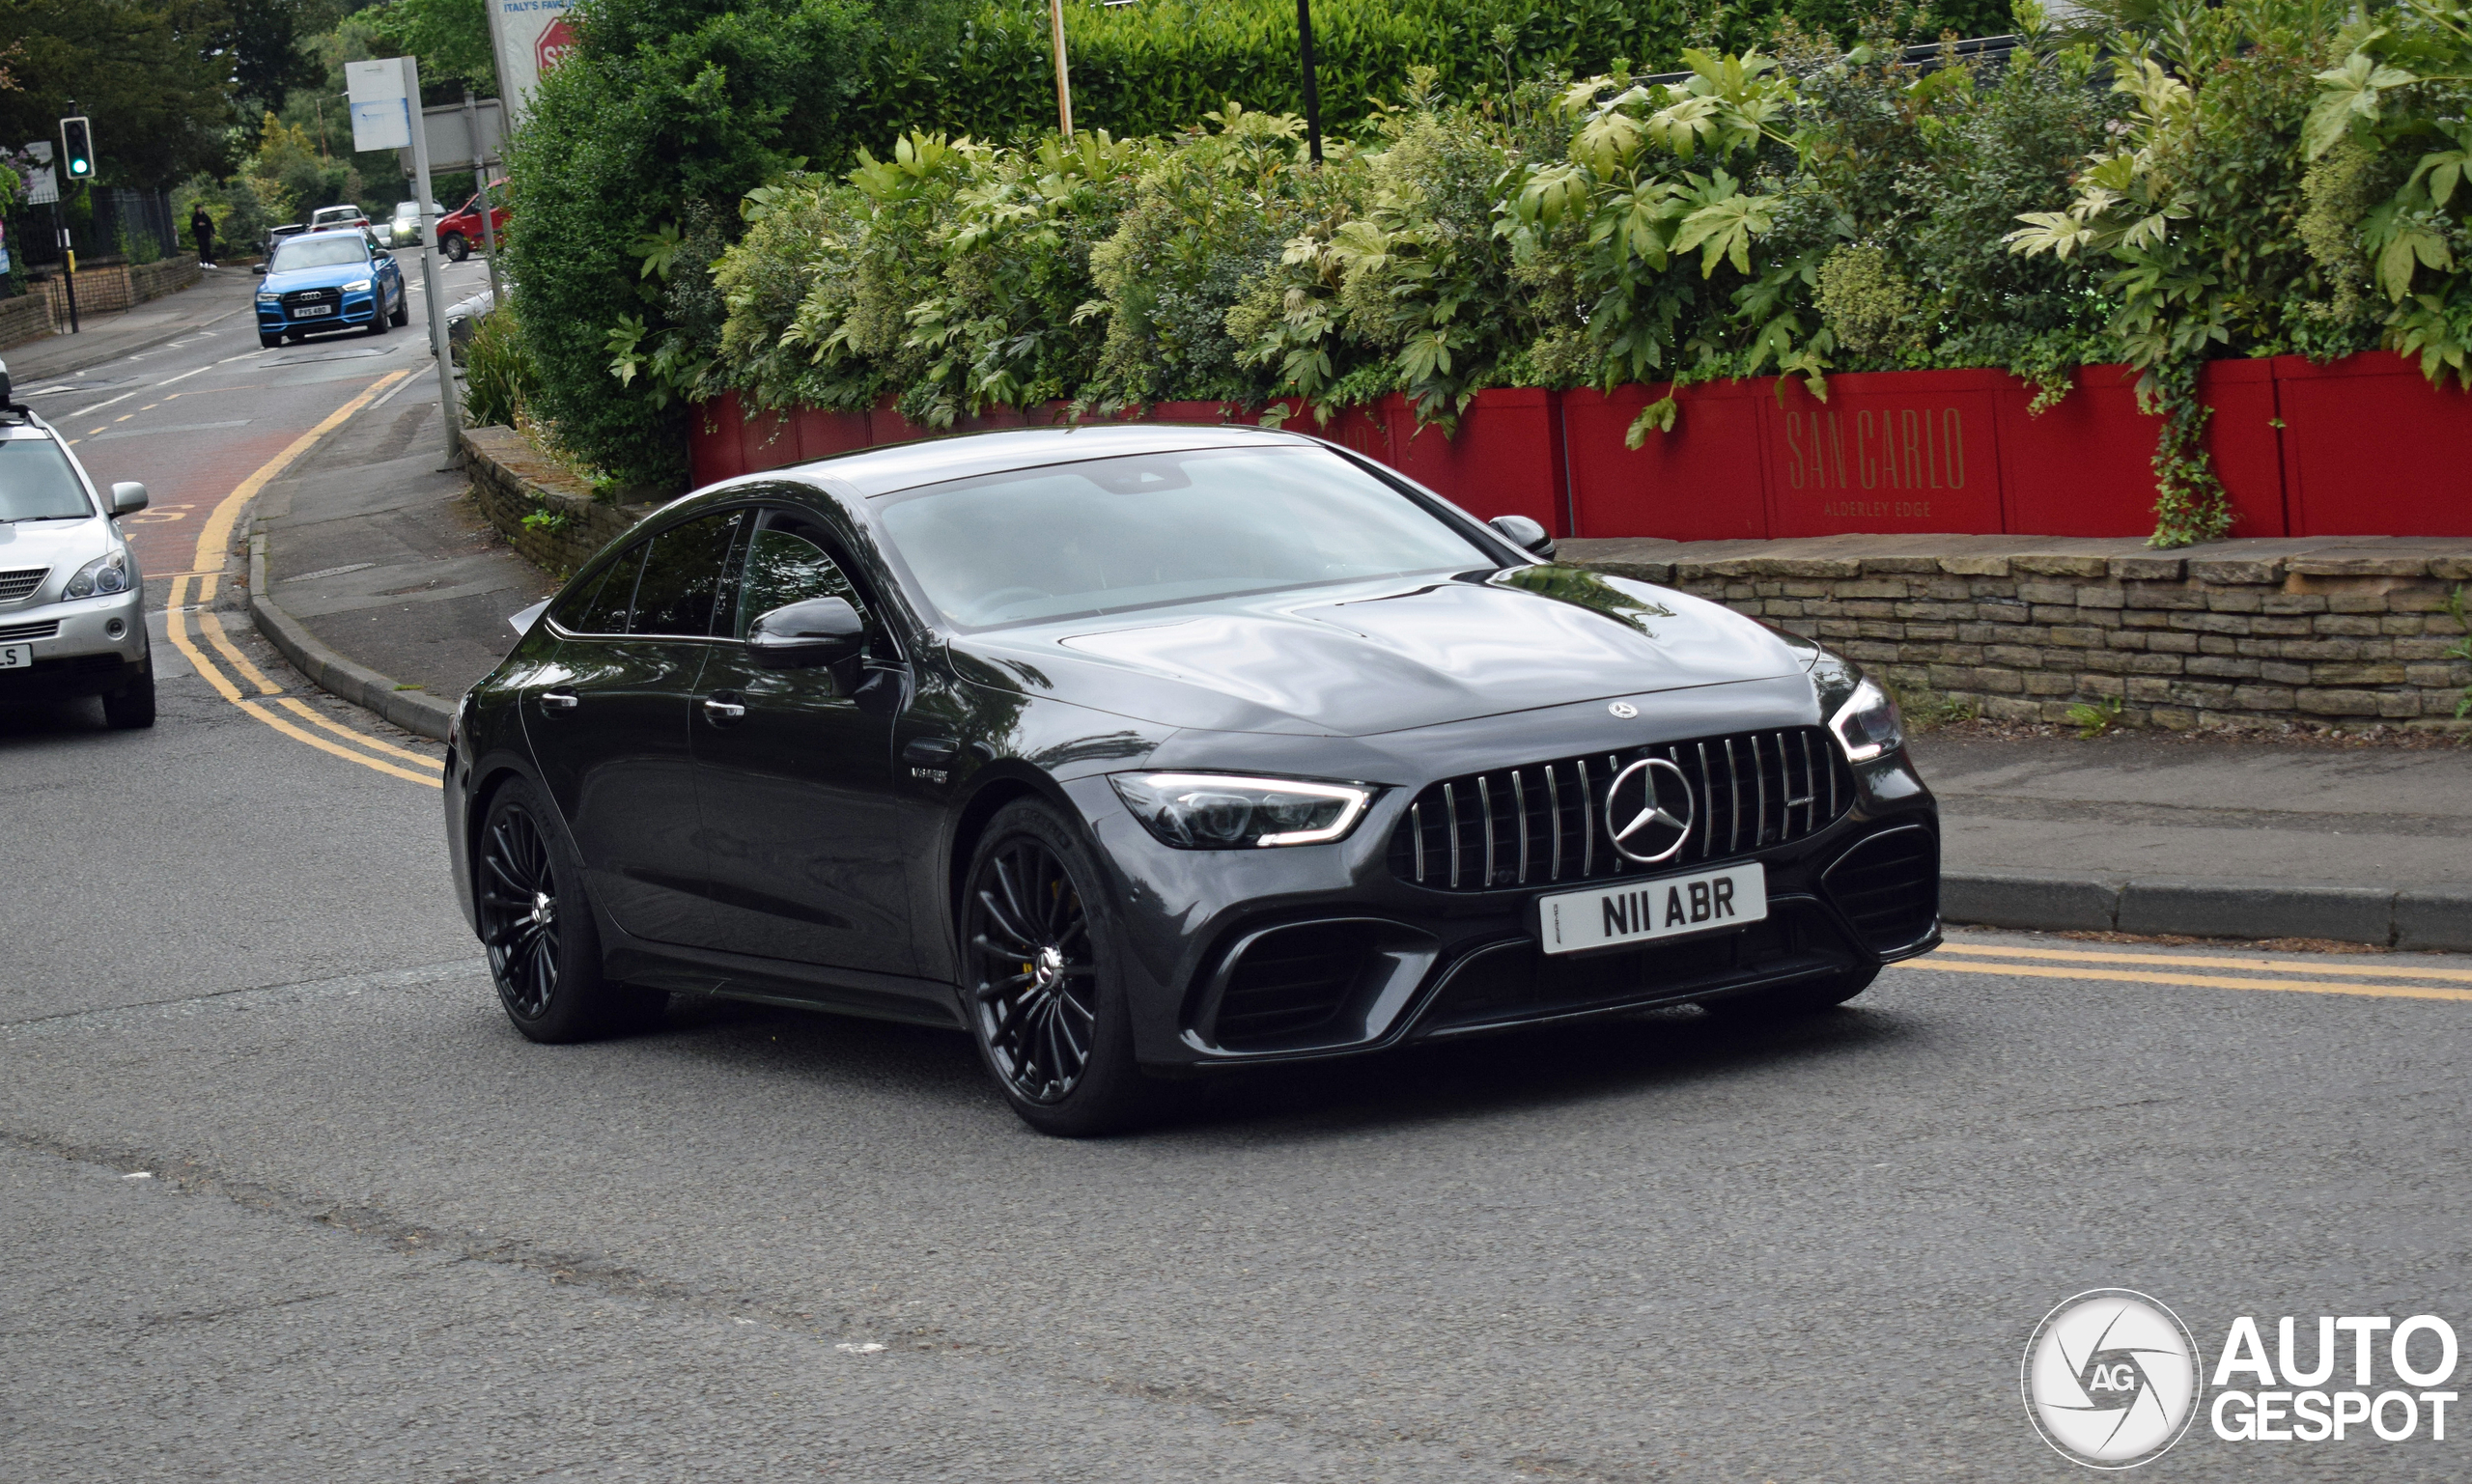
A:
x,y
405,228
73,602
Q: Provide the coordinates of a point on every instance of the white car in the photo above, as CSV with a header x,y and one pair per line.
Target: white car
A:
x,y
405,230
73,602
329,217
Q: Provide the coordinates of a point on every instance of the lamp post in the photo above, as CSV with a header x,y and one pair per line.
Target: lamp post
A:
x,y
1312,93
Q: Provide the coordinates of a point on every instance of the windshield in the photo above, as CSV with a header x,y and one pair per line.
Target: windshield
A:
x,y
1113,534
36,483
318,253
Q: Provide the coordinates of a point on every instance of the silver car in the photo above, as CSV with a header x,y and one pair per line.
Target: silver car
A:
x,y
73,602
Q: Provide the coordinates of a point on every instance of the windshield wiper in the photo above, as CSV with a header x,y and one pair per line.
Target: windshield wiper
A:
x,y
80,516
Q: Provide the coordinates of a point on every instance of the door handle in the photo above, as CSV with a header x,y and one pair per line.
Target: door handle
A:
x,y
557,700
722,711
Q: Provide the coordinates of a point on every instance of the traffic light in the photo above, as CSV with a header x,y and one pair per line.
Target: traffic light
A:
x,y
77,147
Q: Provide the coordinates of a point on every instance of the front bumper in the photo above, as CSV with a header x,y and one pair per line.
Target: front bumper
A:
x,y
357,310
1243,958
75,651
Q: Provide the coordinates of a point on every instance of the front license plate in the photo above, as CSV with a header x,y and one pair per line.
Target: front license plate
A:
x,y
1663,907
16,657
312,311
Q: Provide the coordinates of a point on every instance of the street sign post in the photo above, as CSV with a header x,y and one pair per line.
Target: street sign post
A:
x,y
528,38
381,95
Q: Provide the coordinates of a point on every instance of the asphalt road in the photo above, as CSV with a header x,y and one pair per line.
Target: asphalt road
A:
x,y
282,1195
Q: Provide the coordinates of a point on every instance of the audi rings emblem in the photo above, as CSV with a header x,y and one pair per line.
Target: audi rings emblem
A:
x,y
1648,811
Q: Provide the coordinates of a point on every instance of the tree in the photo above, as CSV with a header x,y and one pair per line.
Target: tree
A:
x,y
450,39
154,75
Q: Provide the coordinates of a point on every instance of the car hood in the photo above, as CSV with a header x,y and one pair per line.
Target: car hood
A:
x,y
54,543
1367,659
334,278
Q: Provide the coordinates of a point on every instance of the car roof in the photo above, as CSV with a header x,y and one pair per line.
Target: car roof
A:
x,y
876,471
355,233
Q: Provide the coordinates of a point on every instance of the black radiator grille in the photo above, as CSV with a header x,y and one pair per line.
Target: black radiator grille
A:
x,y
1545,821
48,629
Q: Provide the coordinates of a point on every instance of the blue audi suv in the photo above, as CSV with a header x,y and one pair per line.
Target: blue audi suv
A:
x,y
329,281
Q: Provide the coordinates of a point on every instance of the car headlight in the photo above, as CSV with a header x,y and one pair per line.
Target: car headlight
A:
x,y
1867,725
357,286
105,574
1226,812
269,299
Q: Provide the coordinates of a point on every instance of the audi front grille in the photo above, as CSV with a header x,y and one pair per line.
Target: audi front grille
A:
x,y
1543,822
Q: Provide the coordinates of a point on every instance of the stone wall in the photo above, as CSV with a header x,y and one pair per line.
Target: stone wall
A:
x,y
111,287
27,316
511,479
2247,633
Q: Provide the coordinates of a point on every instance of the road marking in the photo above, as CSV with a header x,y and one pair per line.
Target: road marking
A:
x,y
2192,981
98,406
214,537
2360,963
147,432
184,376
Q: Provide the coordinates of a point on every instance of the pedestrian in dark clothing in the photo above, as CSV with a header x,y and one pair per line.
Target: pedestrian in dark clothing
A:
x,y
202,227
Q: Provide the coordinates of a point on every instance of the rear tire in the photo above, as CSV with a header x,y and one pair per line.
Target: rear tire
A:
x,y
1046,993
455,247
131,708
1785,1001
537,925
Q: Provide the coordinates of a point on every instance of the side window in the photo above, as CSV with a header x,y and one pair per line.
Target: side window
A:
x,y
684,575
600,607
784,567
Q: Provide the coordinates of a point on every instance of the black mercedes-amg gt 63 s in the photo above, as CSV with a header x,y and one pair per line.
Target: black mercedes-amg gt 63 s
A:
x,y
1143,752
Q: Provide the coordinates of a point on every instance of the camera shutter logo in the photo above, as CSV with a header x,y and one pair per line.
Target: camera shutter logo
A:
x,y
1648,811
2111,1379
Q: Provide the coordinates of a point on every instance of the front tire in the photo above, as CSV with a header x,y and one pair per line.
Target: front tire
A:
x,y
131,708
536,924
1786,1001
271,342
1046,995
377,324
455,247
403,314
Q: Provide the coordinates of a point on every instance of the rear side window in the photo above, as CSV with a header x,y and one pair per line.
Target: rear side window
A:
x,y
684,576
601,606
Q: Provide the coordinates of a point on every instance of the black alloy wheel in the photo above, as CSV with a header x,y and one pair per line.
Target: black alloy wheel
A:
x,y
543,951
519,903
1044,1008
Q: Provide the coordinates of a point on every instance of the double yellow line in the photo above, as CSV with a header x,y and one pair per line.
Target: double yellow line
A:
x,y
264,699
2345,975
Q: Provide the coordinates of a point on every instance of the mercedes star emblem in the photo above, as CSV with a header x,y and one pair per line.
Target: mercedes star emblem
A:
x,y
1623,710
1648,811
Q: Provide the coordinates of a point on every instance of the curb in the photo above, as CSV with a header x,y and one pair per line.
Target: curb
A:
x,y
414,712
2421,917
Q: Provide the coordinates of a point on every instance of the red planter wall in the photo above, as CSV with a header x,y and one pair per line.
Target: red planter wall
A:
x,y
2372,447
2366,447
1700,482
1889,451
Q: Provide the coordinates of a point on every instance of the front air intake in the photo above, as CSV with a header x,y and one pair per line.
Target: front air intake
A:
x,y
1889,887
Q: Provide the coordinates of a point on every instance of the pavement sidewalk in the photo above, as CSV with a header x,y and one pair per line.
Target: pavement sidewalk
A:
x,y
378,576
221,301
379,573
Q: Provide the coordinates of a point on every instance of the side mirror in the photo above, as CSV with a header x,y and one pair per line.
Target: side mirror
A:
x,y
129,497
1525,534
258,268
819,632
